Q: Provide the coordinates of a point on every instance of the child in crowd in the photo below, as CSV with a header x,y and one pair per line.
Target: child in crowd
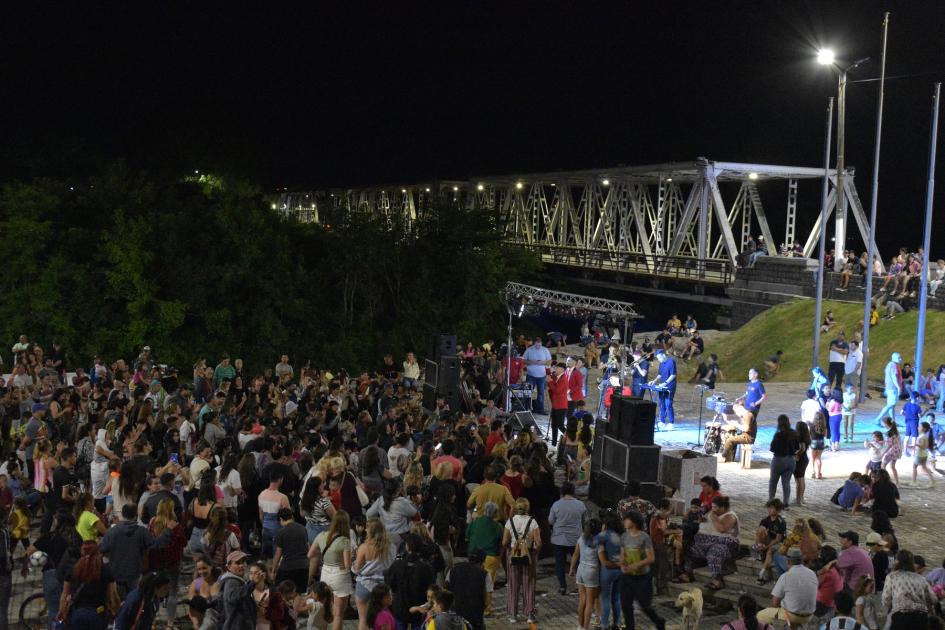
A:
x,y
661,535
427,608
893,448
690,526
20,519
770,533
317,605
866,602
848,412
835,412
911,412
921,455
875,447
851,492
286,588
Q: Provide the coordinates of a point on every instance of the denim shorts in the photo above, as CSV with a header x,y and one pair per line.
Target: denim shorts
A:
x,y
818,445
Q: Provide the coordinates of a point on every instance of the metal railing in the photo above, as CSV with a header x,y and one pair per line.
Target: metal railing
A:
x,y
681,268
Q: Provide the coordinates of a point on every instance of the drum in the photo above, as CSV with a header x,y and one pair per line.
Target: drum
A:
x,y
712,401
713,438
724,407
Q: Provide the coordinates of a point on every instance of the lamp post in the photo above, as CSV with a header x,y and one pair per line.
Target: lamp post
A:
x,y
927,234
823,235
826,57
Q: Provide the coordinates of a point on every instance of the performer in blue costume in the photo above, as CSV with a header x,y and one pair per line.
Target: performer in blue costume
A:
x,y
666,379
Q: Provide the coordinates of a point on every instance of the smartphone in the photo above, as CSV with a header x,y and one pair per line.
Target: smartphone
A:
x,y
175,458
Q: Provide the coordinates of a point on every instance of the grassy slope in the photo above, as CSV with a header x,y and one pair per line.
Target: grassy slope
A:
x,y
788,327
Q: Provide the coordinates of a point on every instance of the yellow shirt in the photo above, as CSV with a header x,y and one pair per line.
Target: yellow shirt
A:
x,y
495,492
21,525
86,526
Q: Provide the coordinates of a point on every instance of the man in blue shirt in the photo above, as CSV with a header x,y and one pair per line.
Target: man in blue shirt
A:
x,y
892,386
754,394
639,372
536,359
667,379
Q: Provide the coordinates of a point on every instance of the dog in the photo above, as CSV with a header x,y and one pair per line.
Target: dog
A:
x,y
691,603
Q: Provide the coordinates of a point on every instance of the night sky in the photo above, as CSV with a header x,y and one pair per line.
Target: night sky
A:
x,y
340,93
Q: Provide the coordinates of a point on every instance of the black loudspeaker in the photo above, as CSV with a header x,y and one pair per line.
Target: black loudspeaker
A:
x,y
596,453
652,492
607,491
635,419
429,397
447,386
644,463
613,418
443,346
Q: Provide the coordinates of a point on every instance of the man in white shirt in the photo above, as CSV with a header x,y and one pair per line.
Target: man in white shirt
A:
x,y
794,596
537,358
394,453
854,362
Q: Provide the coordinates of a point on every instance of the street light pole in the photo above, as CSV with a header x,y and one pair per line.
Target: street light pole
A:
x,y
840,223
870,250
924,278
823,235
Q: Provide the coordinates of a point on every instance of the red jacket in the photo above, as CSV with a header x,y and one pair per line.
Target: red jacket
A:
x,y
558,390
610,392
576,385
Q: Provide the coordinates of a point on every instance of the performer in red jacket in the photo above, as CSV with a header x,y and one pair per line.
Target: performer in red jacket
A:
x,y
558,391
575,384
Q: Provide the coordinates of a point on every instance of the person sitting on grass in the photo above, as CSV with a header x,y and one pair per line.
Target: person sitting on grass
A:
x,y
773,365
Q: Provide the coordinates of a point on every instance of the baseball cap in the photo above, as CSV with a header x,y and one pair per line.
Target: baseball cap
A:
x,y
852,536
875,539
290,408
794,554
37,407
198,603
236,556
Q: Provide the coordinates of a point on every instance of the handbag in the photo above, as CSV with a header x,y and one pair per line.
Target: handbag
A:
x,y
64,611
362,495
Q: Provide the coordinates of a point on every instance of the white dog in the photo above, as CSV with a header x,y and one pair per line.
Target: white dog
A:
x,y
691,602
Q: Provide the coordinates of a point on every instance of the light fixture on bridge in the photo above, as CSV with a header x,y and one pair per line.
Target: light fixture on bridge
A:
x,y
752,176
480,187
455,188
403,191
605,182
426,190
825,57
273,206
669,179
519,185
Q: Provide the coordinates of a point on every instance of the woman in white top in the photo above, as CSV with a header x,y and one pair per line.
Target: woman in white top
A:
x,y
228,478
521,572
124,491
100,460
716,542
411,370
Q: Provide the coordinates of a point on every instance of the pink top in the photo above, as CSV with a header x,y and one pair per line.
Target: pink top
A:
x,y
385,621
834,408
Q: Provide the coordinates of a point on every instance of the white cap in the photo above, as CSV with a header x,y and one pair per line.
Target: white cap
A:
x,y
290,408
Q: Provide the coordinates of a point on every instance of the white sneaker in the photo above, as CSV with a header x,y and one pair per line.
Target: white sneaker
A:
x,y
659,426
669,426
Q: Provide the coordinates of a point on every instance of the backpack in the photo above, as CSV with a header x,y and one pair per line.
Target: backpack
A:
x,y
521,552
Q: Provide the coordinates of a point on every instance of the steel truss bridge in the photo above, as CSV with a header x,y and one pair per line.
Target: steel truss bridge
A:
x,y
681,220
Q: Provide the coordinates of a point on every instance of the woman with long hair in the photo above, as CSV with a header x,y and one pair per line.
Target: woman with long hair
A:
x,y
270,607
332,550
316,507
140,607
99,468
747,616
203,581
522,533
373,558
169,557
784,447
818,443
56,544
444,522
394,509
230,480
513,476
379,616
218,541
803,443
201,507
85,589
585,569
715,542
248,509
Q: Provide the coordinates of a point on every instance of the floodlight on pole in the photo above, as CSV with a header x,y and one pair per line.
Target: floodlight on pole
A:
x,y
825,57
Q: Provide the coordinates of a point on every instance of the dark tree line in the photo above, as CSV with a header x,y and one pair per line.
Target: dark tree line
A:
x,y
203,266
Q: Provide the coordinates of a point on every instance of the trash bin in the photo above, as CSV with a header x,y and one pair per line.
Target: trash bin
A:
x,y
683,469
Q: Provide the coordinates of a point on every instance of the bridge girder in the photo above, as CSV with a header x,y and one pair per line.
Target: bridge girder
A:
x,y
646,219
